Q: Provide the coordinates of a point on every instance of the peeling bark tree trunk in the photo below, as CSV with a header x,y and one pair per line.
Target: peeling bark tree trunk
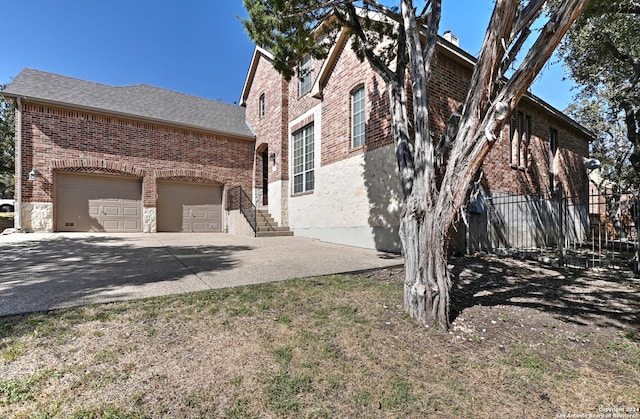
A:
x,y
430,210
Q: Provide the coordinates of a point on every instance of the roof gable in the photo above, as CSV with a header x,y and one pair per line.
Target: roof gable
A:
x,y
140,100
258,53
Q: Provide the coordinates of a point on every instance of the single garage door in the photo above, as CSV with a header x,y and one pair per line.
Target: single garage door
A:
x,y
189,207
98,203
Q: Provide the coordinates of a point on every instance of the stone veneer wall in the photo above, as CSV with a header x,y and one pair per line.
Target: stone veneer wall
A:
x,y
356,202
37,216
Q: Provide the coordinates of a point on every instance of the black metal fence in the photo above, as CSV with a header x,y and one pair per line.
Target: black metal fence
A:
x,y
599,230
237,199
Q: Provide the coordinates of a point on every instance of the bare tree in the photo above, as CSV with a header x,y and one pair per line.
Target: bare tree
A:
x,y
400,41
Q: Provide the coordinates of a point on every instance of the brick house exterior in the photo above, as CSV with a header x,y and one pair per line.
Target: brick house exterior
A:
x,y
355,197
78,131
316,151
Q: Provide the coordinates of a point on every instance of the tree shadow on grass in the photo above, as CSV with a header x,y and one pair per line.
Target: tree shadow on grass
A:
x,y
38,275
588,298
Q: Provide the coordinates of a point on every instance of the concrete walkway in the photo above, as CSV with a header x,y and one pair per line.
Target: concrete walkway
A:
x,y
43,271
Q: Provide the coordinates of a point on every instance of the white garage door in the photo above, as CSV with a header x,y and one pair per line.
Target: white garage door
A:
x,y
98,203
194,207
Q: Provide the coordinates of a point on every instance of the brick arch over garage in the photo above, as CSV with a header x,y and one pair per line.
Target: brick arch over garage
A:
x,y
97,166
189,175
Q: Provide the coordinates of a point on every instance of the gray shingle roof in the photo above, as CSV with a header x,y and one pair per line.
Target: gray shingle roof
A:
x,y
138,100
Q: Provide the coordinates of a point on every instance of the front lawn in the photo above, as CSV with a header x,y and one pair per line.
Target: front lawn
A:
x,y
528,341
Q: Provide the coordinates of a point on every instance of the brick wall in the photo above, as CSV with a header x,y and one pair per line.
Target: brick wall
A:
x,y
272,127
449,83
348,74
448,88
534,179
300,104
57,139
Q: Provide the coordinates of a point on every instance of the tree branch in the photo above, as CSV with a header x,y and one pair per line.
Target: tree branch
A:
x,y
473,142
353,23
528,15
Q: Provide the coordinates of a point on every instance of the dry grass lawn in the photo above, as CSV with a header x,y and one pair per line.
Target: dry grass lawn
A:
x,y
527,341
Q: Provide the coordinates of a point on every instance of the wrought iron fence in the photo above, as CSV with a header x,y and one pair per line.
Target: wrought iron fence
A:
x,y
599,230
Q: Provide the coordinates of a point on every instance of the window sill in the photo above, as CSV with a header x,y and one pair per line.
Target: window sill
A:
x,y
295,195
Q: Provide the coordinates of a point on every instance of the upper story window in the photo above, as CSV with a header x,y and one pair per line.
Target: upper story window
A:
x,y
303,160
553,149
305,71
520,136
261,106
357,117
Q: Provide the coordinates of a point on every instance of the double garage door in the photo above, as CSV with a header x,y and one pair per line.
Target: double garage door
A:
x,y
114,204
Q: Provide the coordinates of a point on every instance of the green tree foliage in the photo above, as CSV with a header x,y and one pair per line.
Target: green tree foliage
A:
x,y
610,146
7,149
602,53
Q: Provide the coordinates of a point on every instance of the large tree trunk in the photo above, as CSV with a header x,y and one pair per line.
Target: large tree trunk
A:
x,y
430,210
427,281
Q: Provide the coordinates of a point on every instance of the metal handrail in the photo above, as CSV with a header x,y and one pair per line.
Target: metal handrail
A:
x,y
270,226
237,198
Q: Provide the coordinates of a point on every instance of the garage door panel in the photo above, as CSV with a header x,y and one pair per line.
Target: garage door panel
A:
x,y
197,213
110,224
131,226
194,207
199,227
98,203
131,211
111,210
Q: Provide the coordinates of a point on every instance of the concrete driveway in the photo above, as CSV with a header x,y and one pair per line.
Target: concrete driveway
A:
x,y
43,271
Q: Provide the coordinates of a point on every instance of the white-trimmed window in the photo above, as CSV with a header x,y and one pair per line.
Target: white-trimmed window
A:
x,y
520,130
261,106
303,156
305,71
357,117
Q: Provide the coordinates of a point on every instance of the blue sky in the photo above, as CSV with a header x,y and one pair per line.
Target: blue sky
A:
x,y
197,47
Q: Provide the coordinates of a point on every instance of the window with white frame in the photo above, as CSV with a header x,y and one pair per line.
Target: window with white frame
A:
x,y
520,136
303,164
305,70
261,106
357,117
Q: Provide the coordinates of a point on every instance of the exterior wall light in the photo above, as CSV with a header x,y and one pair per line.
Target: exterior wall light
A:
x,y
33,174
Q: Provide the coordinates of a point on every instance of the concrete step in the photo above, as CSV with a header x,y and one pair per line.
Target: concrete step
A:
x,y
266,217
269,228
274,234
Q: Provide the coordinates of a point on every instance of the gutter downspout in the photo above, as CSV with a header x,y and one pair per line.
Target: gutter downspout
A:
x,y
17,221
